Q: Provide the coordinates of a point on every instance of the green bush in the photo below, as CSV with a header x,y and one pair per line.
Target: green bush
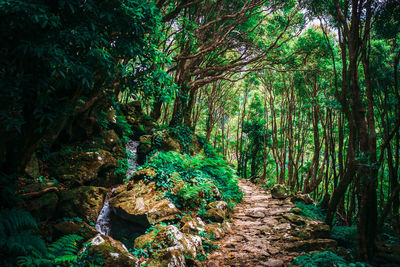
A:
x,y
19,239
193,176
311,211
324,259
345,236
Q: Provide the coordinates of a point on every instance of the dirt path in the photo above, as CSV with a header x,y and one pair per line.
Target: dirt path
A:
x,y
265,232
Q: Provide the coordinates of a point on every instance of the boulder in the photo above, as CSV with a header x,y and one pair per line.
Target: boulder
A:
x,y
304,198
144,148
217,211
143,173
110,142
314,231
279,191
295,219
193,226
84,202
142,203
311,245
216,230
81,168
171,247
32,168
71,227
111,251
43,207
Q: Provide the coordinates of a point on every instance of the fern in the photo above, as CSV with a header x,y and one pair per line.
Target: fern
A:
x,y
64,250
324,259
19,233
65,258
66,245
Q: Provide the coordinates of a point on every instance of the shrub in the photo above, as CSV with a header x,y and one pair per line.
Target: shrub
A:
x,y
311,211
346,236
324,259
191,178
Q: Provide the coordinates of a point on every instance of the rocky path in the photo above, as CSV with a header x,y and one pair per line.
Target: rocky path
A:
x,y
266,233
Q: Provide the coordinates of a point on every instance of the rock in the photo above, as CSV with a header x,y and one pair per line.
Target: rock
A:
x,y
217,211
142,203
111,251
314,231
143,173
144,148
319,230
215,230
304,198
297,211
32,168
70,227
81,168
311,245
110,142
274,263
171,246
293,218
193,226
84,202
279,191
43,207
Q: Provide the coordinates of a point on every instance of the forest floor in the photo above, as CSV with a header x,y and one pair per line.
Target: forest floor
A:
x,y
259,236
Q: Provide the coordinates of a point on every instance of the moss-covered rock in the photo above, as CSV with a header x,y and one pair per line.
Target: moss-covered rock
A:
x,y
279,191
84,202
71,227
170,246
111,251
303,198
43,207
32,168
111,142
134,201
311,245
193,226
295,219
217,231
144,148
81,168
217,211
143,173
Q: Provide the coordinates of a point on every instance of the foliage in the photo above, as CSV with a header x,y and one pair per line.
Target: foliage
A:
x,y
193,176
63,250
346,236
20,239
324,259
19,234
311,211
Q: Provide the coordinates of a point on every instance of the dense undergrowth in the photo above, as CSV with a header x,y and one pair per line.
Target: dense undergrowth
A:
x,y
324,259
193,180
21,243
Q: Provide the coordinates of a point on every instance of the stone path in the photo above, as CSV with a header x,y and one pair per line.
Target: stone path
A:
x,y
265,233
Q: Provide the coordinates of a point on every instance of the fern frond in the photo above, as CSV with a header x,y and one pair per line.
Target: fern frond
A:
x,y
15,220
25,241
66,245
65,258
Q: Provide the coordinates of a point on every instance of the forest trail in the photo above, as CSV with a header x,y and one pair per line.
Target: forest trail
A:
x,y
260,234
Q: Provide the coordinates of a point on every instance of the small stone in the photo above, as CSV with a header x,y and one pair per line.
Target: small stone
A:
x,y
274,263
